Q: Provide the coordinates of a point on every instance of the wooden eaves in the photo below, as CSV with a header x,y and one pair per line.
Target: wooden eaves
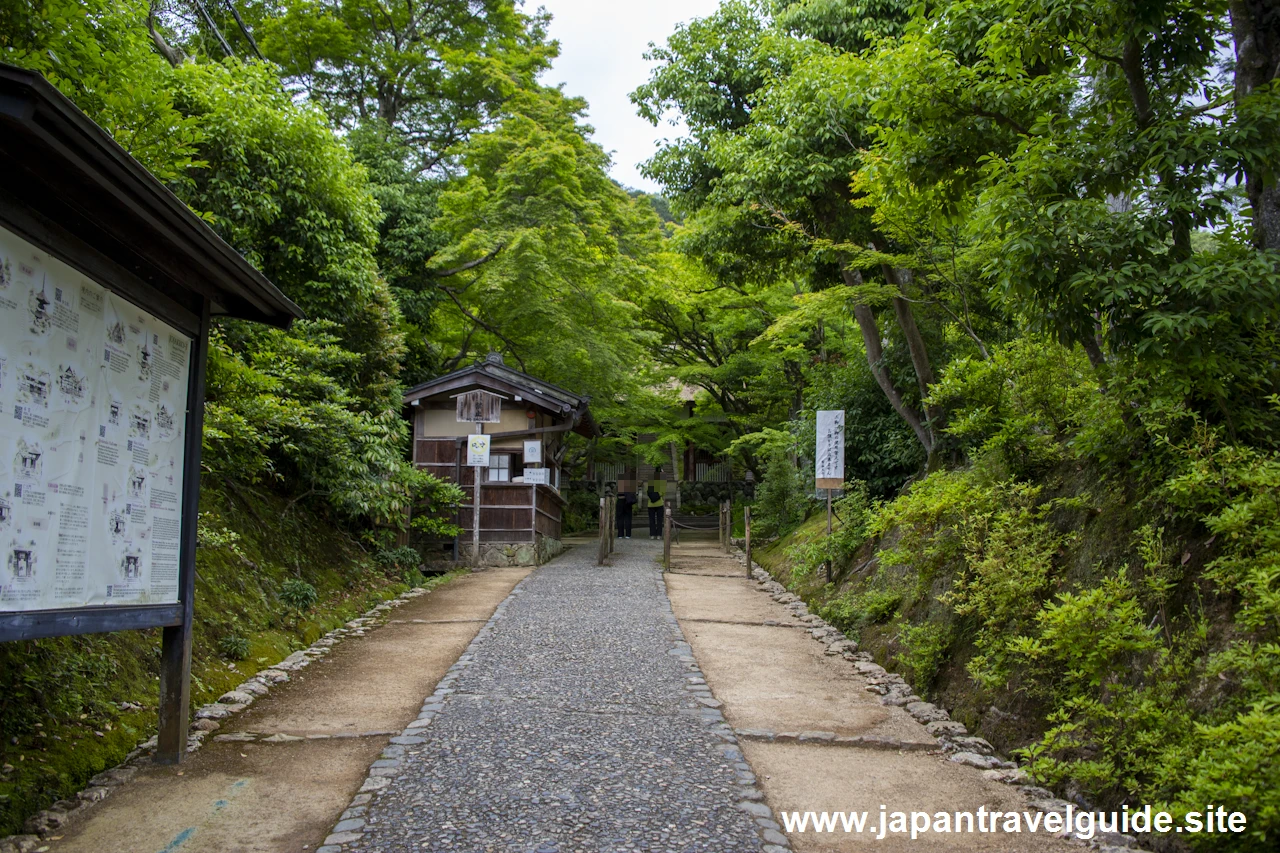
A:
x,y
70,188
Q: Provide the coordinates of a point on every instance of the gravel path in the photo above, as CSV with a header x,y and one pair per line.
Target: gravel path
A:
x,y
577,722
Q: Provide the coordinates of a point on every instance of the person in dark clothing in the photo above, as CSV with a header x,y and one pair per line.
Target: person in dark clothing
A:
x,y
626,501
655,511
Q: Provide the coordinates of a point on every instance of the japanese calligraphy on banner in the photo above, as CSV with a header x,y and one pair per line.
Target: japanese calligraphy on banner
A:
x,y
478,450
93,400
829,456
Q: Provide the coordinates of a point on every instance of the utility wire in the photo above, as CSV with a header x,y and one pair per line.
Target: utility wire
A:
x,y
208,19
231,7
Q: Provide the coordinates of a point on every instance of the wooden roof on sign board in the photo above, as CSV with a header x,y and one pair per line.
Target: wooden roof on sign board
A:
x,y
71,189
491,374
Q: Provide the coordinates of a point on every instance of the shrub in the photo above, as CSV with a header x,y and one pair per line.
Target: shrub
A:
x,y
1021,404
233,647
397,561
298,594
925,649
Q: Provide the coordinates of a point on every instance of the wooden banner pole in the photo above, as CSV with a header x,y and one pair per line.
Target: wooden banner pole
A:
x,y
746,523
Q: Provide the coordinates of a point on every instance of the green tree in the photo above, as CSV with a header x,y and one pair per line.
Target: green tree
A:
x,y
546,255
771,151
97,53
1080,148
436,71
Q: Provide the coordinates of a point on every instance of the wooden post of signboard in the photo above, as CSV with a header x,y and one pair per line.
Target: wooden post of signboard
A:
x,y
175,640
666,536
475,512
746,532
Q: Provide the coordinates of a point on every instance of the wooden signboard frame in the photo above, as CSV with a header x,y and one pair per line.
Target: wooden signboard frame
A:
x,y
75,195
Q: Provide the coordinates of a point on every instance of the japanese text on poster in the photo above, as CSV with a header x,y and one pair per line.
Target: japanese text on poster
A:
x,y
93,398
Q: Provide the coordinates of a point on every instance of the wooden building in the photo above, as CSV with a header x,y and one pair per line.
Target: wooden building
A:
x,y
521,509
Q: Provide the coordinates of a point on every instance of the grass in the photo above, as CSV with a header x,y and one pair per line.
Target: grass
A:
x,y
71,707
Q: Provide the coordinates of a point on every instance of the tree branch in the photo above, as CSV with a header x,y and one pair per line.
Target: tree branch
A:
x,y
469,265
482,324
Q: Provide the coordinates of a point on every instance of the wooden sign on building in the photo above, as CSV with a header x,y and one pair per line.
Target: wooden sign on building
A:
x,y
479,407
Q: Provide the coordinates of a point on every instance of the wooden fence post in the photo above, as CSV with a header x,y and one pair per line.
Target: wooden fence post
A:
x,y
728,524
746,523
613,521
601,553
666,536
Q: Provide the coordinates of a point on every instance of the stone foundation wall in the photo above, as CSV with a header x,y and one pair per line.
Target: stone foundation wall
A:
x,y
502,555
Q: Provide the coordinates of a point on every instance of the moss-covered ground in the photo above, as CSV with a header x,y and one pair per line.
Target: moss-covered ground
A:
x,y
71,707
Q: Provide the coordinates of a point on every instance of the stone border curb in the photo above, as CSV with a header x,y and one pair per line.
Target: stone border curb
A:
x,y
751,798
952,736
206,720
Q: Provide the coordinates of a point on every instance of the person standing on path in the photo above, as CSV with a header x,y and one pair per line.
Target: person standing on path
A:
x,y
655,492
626,502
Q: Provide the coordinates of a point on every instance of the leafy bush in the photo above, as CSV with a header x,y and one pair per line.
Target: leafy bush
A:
x,y
298,594
403,563
851,611
1236,766
925,650
848,534
233,647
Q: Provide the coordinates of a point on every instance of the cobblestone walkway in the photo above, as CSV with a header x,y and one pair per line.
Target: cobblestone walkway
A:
x,y
577,722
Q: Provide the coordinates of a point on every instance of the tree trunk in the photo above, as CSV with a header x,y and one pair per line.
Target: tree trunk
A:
x,y
1255,28
915,341
875,359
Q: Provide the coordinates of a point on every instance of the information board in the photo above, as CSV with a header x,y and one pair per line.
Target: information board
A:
x,y
478,450
538,476
828,459
93,399
533,451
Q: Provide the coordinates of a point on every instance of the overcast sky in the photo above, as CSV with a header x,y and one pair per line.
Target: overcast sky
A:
x,y
602,43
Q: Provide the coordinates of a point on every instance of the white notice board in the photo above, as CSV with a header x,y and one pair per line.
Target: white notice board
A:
x,y
533,452
478,450
828,457
93,410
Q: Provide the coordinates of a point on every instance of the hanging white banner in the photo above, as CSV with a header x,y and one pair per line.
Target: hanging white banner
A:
x,y
828,458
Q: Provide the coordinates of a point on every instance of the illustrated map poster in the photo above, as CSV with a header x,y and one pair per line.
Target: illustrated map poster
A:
x,y
93,398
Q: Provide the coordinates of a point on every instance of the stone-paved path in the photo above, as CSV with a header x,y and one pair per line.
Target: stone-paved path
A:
x,y
578,722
